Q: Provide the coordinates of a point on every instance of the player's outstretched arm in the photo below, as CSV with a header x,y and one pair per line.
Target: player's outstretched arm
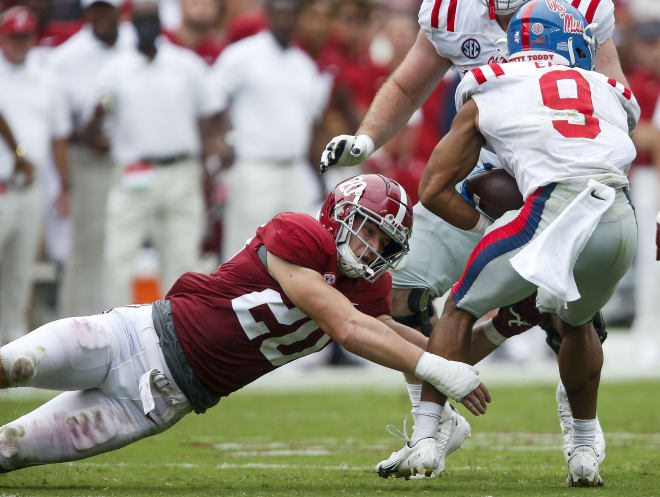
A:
x,y
367,336
403,93
451,161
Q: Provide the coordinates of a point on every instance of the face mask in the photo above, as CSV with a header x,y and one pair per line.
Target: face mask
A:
x,y
148,29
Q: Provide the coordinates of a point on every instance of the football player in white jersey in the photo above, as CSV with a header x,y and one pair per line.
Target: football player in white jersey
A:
x,y
462,34
562,131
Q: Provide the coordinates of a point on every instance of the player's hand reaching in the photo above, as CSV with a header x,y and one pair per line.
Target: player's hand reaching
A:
x,y
346,150
456,380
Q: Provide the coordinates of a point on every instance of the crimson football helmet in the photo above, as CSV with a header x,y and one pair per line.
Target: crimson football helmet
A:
x,y
357,201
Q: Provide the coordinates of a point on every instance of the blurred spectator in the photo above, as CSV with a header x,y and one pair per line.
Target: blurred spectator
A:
x,y
153,99
198,29
50,33
75,65
34,111
273,95
645,188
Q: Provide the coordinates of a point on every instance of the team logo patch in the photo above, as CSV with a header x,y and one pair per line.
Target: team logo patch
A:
x,y
537,28
471,48
330,278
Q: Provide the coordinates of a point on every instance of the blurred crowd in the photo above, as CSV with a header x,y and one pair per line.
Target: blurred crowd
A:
x,y
143,138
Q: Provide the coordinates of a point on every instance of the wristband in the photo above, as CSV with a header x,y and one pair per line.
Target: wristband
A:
x,y
482,225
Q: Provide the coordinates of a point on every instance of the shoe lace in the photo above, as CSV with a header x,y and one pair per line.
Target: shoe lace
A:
x,y
397,433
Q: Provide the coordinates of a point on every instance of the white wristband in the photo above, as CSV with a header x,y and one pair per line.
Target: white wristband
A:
x,y
452,378
482,224
495,337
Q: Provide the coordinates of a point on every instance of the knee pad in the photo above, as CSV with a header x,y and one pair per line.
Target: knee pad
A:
x,y
553,338
19,371
419,302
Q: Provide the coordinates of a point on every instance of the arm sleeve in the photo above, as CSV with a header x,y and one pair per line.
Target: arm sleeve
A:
x,y
604,18
465,90
61,122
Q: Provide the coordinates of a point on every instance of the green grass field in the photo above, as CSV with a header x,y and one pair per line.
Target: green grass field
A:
x,y
326,444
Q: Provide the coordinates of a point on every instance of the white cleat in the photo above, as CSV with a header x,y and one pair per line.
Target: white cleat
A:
x,y
583,468
421,459
566,423
455,429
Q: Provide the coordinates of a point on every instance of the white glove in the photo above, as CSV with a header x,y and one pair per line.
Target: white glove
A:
x,y
346,150
454,379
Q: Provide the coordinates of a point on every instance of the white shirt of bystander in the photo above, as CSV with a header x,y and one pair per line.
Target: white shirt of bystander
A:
x,y
274,96
78,60
33,108
154,106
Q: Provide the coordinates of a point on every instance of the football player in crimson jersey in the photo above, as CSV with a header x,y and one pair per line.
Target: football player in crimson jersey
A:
x,y
459,34
575,236
134,371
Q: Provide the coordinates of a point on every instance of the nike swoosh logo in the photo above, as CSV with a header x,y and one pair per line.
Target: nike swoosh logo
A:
x,y
593,194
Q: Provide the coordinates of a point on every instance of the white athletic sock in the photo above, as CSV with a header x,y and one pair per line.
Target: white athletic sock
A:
x,y
415,394
426,421
584,433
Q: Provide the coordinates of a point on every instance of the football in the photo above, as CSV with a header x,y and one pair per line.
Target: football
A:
x,y
494,191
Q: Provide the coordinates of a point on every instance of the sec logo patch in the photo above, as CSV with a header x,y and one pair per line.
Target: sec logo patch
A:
x,y
330,278
537,28
471,48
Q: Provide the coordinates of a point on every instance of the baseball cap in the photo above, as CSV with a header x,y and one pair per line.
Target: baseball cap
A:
x,y
88,3
18,20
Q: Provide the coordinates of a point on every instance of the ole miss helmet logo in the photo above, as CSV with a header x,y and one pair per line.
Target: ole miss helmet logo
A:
x,y
471,48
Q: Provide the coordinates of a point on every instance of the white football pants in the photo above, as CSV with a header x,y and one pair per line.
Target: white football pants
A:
x,y
120,389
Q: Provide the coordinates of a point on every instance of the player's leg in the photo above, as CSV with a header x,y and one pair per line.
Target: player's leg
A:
x,y
603,261
438,252
78,424
126,391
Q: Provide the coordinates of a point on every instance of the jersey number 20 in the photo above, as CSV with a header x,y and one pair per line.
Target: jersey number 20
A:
x,y
581,104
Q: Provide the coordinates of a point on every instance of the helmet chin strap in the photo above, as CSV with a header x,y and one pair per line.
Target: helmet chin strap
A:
x,y
349,264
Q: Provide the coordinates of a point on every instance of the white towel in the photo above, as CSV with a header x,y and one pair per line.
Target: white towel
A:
x,y
548,260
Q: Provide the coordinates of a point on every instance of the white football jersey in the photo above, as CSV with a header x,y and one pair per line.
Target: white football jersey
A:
x,y
461,31
548,123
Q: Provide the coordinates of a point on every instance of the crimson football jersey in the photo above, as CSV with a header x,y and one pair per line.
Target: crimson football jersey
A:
x,y
237,324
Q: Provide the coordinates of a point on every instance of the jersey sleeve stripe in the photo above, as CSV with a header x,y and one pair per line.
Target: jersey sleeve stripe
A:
x,y
525,24
625,91
576,3
591,11
478,75
497,69
435,14
451,15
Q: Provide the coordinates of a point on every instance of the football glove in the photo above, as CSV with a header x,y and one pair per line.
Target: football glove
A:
x,y
346,150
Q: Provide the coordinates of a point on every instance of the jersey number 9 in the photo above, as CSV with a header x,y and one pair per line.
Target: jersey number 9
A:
x,y
582,104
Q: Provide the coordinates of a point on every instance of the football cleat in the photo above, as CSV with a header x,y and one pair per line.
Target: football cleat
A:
x,y
566,423
583,468
455,430
423,458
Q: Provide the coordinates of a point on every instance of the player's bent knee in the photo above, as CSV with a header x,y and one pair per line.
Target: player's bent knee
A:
x,y
10,436
17,371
